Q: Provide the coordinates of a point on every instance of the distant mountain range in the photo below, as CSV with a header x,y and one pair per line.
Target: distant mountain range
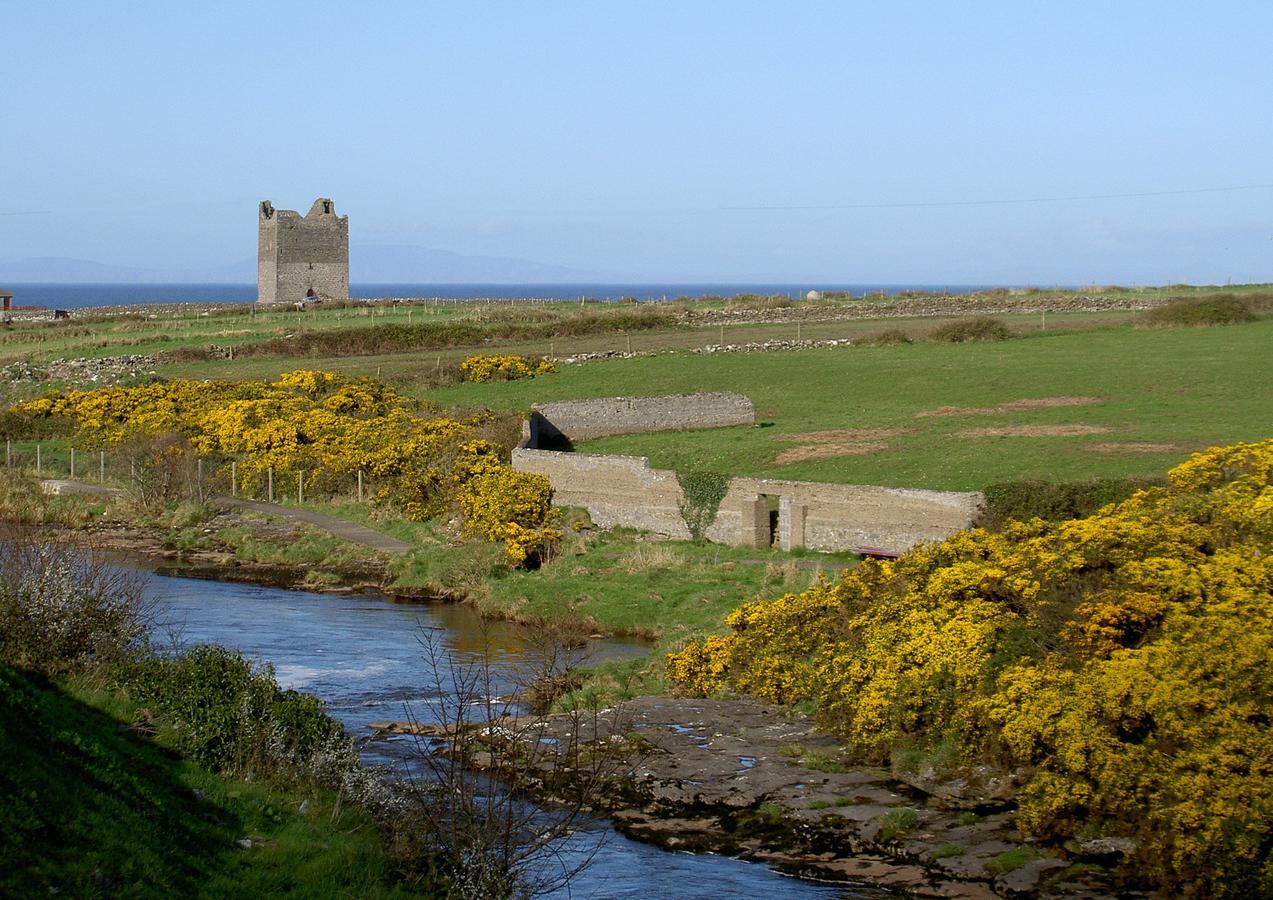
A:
x,y
369,264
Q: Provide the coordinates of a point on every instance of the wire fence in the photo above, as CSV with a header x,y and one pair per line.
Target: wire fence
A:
x,y
181,476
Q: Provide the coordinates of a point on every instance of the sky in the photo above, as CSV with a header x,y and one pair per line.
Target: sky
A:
x,y
847,141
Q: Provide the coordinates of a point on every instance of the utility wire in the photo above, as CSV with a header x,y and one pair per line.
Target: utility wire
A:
x,y
1001,202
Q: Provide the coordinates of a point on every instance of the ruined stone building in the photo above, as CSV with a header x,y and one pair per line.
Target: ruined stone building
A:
x,y
301,257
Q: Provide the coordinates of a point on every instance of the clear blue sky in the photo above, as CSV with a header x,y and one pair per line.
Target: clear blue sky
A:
x,y
622,138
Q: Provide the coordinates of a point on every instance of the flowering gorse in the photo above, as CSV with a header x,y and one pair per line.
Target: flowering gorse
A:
x,y
324,428
504,368
1120,660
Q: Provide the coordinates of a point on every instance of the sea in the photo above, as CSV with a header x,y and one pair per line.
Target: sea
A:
x,y
73,296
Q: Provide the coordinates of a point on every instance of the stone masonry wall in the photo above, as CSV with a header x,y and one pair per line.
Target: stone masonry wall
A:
x,y
617,491
624,491
840,516
577,420
298,253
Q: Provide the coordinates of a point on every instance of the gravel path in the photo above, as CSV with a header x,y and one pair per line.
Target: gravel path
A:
x,y
350,531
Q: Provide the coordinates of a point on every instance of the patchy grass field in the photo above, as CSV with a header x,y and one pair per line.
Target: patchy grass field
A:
x,y
1112,401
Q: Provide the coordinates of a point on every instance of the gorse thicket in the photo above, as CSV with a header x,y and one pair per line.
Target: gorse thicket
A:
x,y
1119,664
480,369
325,428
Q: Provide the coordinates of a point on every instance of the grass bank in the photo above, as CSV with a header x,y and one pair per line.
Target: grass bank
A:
x,y
97,807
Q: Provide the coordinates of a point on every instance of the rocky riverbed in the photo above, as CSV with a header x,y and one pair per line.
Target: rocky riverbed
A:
x,y
762,782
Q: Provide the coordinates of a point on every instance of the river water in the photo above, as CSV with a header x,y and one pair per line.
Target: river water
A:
x,y
362,654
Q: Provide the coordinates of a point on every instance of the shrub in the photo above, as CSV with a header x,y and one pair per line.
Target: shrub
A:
x,y
889,337
982,328
1119,659
229,714
500,504
703,493
1217,309
315,425
479,369
63,609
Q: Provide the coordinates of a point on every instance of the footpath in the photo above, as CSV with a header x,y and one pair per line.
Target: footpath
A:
x,y
350,531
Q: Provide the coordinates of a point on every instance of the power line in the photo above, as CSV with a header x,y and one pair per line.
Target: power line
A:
x,y
33,212
1002,202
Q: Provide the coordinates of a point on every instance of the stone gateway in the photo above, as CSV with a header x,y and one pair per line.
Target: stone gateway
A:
x,y
302,258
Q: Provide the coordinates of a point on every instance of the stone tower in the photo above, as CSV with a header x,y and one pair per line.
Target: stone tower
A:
x,y
297,255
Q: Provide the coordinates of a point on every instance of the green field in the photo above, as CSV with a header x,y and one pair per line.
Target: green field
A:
x,y
1181,389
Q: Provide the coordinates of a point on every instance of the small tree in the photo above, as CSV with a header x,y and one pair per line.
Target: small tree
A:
x,y
478,757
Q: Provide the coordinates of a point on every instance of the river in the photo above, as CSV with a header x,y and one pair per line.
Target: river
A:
x,y
362,655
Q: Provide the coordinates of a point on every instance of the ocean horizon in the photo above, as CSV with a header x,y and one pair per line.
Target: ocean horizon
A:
x,y
80,295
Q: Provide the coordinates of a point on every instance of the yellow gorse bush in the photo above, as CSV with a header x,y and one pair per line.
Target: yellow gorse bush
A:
x,y
500,504
1121,662
323,427
504,368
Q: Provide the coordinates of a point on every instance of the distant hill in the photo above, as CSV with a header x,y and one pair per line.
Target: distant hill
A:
x,y
369,264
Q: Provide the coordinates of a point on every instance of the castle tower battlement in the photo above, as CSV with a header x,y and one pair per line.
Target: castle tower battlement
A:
x,y
302,256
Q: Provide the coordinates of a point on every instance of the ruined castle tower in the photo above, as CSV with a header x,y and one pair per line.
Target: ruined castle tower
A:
x,y
297,255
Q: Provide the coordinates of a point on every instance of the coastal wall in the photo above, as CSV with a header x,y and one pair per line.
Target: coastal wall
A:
x,y
296,254
562,422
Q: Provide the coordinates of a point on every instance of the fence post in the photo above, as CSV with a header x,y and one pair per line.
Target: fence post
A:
x,y
360,485
37,459
269,483
199,468
234,478
8,453
132,472
72,462
101,466
300,487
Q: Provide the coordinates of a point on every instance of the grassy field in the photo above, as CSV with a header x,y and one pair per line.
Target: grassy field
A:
x,y
1149,397
238,325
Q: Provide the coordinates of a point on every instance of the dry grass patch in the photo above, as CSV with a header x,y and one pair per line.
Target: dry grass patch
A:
x,y
650,557
1009,406
1134,447
1036,431
806,452
843,434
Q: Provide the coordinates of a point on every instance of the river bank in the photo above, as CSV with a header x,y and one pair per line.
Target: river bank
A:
x,y
735,777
